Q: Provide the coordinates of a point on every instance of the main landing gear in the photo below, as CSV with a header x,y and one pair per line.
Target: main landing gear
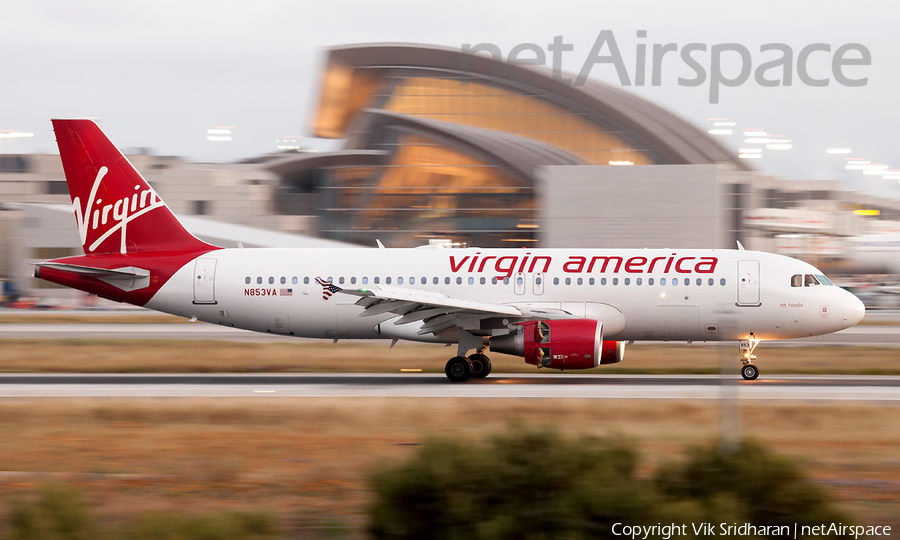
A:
x,y
749,371
461,369
481,365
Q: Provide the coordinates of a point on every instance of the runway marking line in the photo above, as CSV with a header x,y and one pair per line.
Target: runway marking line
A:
x,y
264,391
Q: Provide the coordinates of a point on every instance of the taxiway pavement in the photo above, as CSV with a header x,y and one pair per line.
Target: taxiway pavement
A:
x,y
881,389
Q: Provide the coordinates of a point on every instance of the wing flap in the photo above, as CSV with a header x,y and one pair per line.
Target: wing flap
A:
x,y
430,299
441,312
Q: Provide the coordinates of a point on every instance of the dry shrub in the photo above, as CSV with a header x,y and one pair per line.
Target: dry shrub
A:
x,y
539,484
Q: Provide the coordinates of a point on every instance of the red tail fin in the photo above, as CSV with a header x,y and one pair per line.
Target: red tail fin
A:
x,y
117,211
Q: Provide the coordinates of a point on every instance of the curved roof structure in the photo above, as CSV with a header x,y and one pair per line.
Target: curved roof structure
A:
x,y
299,163
519,156
662,136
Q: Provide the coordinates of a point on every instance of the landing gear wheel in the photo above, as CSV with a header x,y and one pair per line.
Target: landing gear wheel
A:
x,y
481,366
459,369
749,372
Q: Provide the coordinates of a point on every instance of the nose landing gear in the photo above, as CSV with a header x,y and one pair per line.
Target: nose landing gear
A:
x,y
749,371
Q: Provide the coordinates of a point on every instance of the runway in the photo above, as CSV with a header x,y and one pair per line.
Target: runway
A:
x,y
881,389
865,335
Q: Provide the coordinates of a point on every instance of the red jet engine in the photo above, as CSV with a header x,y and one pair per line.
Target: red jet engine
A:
x,y
561,344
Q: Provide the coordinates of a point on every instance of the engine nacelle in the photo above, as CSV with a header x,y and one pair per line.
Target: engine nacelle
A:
x,y
561,344
613,352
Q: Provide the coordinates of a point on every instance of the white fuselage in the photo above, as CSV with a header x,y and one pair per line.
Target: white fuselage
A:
x,y
647,295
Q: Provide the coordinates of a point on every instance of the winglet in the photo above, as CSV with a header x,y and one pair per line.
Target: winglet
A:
x,y
740,247
380,245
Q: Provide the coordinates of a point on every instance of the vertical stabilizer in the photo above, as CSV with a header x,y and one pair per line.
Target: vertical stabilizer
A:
x,y
116,210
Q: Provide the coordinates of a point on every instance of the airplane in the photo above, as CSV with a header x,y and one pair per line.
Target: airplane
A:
x,y
564,309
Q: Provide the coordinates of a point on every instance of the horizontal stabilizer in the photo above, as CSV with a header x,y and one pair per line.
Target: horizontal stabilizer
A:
x,y
128,278
123,273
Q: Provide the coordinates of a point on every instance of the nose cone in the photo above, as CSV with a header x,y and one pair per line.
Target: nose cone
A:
x,y
853,311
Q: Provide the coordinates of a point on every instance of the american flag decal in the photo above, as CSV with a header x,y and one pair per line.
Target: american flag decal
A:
x,y
285,292
327,288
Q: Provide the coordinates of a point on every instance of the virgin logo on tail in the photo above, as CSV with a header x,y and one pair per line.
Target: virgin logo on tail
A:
x,y
116,215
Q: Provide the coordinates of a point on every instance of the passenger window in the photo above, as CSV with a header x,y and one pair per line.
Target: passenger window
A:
x,y
247,280
306,280
580,281
722,282
591,281
446,281
436,280
294,280
377,280
412,281
459,281
283,280
628,281
811,280
687,281
615,281
711,281
271,280
471,281
602,281
568,281
637,281
365,281
399,281
796,280
425,281
482,281
538,280
341,280
674,281
506,281
699,282
259,280
556,281
353,281
493,281
330,279
387,280
662,281
649,281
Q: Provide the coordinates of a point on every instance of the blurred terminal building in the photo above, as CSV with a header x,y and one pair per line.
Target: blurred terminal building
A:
x,y
441,145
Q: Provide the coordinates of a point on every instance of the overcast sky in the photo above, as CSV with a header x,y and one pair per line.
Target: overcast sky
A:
x,y
159,74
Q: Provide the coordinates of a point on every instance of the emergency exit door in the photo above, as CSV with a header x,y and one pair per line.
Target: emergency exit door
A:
x,y
205,281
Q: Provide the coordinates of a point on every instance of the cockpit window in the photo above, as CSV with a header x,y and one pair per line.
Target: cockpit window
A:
x,y
809,280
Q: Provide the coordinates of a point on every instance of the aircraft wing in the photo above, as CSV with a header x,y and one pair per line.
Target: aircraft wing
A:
x,y
439,311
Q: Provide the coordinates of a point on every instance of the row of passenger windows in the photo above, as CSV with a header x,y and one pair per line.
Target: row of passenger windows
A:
x,y
494,281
